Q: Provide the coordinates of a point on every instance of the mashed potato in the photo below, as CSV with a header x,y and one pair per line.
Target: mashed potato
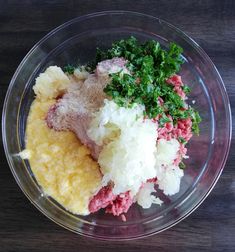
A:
x,y
50,84
60,163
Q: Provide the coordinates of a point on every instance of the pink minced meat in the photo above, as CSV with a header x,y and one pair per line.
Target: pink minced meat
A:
x,y
120,205
176,81
113,65
183,127
181,153
114,204
102,199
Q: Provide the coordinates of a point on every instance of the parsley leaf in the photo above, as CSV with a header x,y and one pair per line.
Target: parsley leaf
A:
x,y
196,119
163,120
182,140
182,165
69,69
186,89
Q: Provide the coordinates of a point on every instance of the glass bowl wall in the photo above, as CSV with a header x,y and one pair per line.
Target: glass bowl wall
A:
x,y
75,42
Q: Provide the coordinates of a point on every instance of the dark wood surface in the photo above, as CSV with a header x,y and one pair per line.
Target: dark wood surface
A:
x,y
212,226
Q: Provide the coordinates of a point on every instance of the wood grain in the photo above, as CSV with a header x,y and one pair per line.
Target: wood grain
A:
x,y
212,226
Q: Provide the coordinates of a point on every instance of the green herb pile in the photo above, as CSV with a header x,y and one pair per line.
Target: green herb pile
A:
x,y
69,69
150,66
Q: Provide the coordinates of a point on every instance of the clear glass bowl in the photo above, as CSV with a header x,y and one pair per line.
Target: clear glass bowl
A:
x,y
76,42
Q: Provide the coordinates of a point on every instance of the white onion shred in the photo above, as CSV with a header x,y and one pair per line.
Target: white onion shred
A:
x,y
130,155
168,179
145,197
168,175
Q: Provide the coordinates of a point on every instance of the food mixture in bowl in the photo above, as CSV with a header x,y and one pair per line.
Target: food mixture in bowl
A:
x,y
108,134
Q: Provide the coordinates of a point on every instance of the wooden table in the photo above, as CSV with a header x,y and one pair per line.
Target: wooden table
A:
x,y
212,226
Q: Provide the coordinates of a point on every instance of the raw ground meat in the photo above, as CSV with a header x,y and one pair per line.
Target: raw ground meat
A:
x,y
114,204
176,81
181,154
114,65
120,205
102,199
183,127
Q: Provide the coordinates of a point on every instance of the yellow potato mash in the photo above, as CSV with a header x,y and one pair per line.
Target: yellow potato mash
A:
x,y
60,163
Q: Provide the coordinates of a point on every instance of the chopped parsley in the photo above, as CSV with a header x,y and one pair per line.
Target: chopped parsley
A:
x,y
196,119
150,66
163,120
69,69
182,140
186,89
182,165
